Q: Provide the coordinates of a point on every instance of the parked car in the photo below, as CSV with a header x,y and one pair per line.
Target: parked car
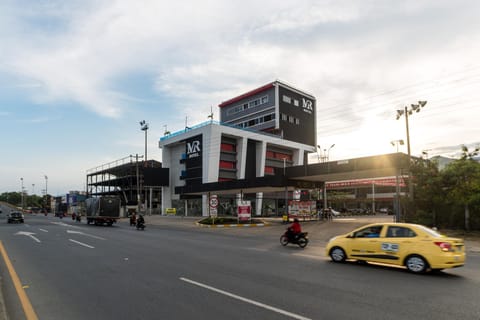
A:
x,y
385,210
15,217
416,247
329,212
334,212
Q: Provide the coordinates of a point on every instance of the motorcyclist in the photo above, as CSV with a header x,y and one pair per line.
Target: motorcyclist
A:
x,y
294,230
140,220
133,219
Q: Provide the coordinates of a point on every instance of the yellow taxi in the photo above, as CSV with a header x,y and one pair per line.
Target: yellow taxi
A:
x,y
414,246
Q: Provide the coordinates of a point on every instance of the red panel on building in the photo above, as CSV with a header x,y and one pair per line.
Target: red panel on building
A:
x,y
246,95
227,165
227,147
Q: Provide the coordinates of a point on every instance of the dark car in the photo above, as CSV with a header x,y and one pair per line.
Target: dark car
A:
x,y
15,216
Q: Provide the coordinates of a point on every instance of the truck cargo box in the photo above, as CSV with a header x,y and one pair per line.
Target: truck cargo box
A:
x,y
103,210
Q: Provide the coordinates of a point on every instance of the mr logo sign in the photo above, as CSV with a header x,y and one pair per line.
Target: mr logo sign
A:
x,y
193,149
307,106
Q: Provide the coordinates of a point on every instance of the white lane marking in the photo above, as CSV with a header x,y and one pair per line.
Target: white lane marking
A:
x,y
258,249
85,234
62,224
43,230
82,244
28,234
258,304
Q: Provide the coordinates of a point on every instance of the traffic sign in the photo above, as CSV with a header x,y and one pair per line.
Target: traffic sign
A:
x,y
213,201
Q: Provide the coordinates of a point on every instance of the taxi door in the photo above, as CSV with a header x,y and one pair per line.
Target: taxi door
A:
x,y
397,243
366,244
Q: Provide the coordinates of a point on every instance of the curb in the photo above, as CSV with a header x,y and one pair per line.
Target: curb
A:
x,y
231,225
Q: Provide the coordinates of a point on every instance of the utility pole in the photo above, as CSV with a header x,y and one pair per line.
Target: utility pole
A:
x,y
138,185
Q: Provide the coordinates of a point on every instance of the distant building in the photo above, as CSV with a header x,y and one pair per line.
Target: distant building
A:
x,y
213,156
263,130
259,151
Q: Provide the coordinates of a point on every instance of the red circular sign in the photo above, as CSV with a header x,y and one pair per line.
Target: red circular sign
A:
x,y
213,202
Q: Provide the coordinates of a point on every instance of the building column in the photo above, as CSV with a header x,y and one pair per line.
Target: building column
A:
x,y
205,205
261,154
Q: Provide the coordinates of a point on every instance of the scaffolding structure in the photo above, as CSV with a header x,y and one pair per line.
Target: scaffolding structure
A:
x,y
125,178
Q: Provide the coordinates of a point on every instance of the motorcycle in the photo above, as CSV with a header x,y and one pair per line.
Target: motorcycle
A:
x,y
140,225
301,239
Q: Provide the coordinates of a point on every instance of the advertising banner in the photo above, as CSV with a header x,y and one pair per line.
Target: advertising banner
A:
x,y
244,211
387,181
302,208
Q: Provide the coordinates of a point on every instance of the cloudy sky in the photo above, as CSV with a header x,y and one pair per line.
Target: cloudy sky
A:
x,y
76,77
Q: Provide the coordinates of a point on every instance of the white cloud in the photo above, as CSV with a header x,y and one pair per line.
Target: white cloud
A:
x,y
362,61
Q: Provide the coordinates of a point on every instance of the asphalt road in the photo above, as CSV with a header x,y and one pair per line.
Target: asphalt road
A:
x,y
74,271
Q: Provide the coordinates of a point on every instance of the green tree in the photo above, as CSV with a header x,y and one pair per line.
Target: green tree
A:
x,y
429,193
14,198
461,180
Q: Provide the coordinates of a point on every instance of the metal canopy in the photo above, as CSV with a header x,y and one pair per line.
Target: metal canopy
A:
x,y
308,176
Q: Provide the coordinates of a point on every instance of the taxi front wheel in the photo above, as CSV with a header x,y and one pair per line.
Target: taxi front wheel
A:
x,y
416,264
337,254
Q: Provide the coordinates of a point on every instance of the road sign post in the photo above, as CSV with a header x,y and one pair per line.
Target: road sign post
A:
x,y
213,203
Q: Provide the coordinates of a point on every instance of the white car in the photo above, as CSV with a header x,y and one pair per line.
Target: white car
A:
x,y
331,212
334,213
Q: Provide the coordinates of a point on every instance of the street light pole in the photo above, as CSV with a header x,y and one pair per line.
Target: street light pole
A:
x,y
22,193
397,185
328,153
397,143
46,192
144,127
406,112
